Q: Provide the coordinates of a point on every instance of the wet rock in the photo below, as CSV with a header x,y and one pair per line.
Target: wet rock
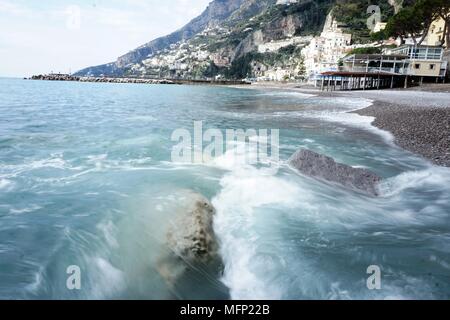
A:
x,y
191,236
326,169
192,244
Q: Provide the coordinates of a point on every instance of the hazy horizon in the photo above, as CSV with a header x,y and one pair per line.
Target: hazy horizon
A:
x,y
66,36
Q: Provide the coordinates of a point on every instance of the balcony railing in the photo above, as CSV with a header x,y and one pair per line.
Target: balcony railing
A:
x,y
371,69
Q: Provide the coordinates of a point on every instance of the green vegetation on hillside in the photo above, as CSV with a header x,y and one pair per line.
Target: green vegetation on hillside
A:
x,y
353,14
311,13
416,20
242,67
369,50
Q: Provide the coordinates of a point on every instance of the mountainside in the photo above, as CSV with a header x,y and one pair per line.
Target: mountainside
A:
x,y
216,12
233,36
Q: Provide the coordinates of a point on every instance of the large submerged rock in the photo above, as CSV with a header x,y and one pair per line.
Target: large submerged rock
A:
x,y
191,242
325,168
191,235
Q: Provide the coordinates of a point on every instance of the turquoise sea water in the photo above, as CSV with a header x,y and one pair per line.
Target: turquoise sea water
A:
x,y
86,179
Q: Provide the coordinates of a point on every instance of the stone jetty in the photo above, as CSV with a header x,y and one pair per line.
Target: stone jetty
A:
x,y
67,77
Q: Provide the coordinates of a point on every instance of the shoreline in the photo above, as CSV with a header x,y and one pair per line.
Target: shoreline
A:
x,y
422,130
418,118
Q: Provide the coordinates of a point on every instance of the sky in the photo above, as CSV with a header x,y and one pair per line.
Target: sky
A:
x,y
43,36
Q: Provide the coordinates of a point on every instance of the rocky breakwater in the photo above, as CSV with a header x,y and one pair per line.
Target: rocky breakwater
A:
x,y
66,77
327,169
192,247
56,77
127,80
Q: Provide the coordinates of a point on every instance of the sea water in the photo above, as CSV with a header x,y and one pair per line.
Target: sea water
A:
x,y
86,180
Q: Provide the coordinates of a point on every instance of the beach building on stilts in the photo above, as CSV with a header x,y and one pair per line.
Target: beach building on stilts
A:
x,y
399,67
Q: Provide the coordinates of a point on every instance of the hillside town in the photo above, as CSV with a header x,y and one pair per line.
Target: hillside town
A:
x,y
277,45
316,55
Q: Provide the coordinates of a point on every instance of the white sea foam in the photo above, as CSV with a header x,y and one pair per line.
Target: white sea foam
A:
x,y
340,110
107,279
28,209
37,281
236,214
289,93
109,231
355,120
5,183
101,162
244,190
433,176
440,262
142,118
54,162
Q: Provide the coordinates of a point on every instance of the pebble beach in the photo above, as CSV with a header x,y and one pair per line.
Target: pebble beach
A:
x,y
418,119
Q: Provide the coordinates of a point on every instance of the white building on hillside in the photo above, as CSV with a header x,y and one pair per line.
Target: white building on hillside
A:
x,y
286,1
274,46
324,52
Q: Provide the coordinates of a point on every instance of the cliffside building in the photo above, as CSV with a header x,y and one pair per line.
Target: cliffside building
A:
x,y
396,67
324,52
379,26
423,61
436,35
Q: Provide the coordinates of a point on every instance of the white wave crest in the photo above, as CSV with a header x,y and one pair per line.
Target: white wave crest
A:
x,y
245,190
5,183
433,176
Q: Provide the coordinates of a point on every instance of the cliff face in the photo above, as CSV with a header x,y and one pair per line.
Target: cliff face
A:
x,y
215,13
274,30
